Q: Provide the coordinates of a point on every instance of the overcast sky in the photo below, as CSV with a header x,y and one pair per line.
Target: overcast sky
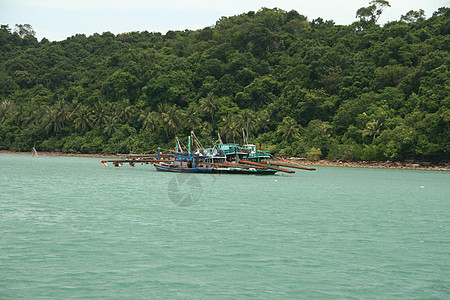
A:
x,y
59,19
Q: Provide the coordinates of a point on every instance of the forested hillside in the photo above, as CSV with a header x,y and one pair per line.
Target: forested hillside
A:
x,y
303,88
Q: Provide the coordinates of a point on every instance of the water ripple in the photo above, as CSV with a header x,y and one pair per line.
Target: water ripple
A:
x,y
74,229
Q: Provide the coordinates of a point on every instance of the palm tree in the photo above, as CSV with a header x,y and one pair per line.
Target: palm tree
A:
x,y
262,121
5,108
62,112
124,111
83,118
37,114
101,113
19,115
49,120
205,130
288,129
372,129
246,120
209,105
162,107
191,117
149,119
32,114
55,117
163,119
231,127
111,125
174,118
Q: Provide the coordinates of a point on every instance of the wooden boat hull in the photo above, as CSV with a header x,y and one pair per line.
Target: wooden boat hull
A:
x,y
242,171
250,171
170,168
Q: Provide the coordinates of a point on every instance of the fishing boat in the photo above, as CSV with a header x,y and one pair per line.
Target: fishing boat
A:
x,y
171,168
219,159
243,171
185,162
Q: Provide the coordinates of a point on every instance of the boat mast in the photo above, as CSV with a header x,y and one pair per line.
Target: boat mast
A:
x,y
189,141
196,141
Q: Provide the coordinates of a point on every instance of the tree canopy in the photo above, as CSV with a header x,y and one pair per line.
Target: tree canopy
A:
x,y
301,87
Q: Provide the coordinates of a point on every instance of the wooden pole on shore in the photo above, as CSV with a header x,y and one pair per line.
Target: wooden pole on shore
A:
x,y
292,166
265,166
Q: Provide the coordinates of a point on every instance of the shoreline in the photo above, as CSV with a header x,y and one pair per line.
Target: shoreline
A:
x,y
409,165
48,153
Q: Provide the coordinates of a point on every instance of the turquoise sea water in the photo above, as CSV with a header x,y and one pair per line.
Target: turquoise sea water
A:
x,y
71,228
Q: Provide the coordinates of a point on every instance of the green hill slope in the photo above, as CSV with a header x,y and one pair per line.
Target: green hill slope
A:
x,y
303,88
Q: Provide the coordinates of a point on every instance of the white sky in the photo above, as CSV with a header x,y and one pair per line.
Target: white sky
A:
x,y
59,19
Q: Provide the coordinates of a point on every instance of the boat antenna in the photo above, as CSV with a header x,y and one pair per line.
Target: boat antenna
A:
x,y
179,144
198,144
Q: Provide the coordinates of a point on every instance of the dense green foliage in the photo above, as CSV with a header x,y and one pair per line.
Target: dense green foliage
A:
x,y
303,88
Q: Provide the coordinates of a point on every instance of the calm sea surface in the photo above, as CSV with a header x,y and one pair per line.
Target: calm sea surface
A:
x,y
71,228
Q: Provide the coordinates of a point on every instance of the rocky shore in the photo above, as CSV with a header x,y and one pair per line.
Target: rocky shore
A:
x,y
409,164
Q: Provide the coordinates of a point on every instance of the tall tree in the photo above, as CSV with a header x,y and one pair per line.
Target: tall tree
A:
x,y
24,30
56,116
288,129
231,127
149,119
5,108
191,117
247,121
413,16
163,118
111,125
124,110
209,105
101,112
373,12
373,129
174,118
83,118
